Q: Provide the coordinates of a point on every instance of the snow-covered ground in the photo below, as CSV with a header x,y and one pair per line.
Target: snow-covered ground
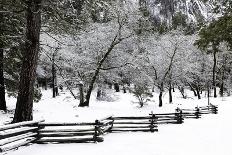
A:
x,y
210,135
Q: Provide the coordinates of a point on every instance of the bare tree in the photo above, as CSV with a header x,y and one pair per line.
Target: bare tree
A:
x,y
116,40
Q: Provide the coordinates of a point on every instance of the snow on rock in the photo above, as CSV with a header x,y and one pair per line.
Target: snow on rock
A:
x,y
194,11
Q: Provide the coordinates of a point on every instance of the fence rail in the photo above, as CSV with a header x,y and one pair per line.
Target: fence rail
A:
x,y
70,132
15,135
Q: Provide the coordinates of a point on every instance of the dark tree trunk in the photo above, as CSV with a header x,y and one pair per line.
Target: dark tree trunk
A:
x,y
116,87
54,84
46,84
90,89
81,91
161,94
182,92
198,92
194,92
214,72
192,89
223,77
160,98
99,93
124,89
153,89
2,83
208,93
24,105
170,93
222,89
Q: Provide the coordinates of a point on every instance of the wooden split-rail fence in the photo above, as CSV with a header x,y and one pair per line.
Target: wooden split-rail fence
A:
x,y
15,135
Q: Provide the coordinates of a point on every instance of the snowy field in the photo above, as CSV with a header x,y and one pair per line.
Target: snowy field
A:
x,y
210,135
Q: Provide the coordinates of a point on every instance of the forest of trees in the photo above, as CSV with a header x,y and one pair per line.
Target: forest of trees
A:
x,y
82,45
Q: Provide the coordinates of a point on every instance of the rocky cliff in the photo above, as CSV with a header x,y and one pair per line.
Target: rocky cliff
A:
x,y
180,12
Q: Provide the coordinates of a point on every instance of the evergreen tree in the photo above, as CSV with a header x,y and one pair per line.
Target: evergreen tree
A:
x,y
213,35
11,28
24,105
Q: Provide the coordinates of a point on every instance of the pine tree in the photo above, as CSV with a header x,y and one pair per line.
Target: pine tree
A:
x,y
11,27
24,105
212,36
2,84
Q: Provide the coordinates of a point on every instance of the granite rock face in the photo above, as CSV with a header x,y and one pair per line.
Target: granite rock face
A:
x,y
189,11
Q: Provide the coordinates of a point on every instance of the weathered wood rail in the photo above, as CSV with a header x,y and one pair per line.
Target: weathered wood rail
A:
x,y
70,132
133,124
15,135
197,112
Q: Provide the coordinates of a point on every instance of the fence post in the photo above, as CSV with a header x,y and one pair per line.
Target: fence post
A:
x,y
96,128
38,130
197,113
153,121
214,109
179,116
112,125
97,132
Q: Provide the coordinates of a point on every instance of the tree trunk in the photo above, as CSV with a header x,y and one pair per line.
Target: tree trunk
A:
x,y
99,93
81,93
116,87
161,95
182,92
54,84
124,89
208,93
223,77
222,89
90,89
160,98
46,83
24,105
153,89
214,71
192,89
2,83
198,92
170,93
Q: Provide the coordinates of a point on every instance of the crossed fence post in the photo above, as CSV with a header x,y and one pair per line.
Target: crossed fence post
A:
x,y
153,122
197,113
97,132
214,109
179,116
